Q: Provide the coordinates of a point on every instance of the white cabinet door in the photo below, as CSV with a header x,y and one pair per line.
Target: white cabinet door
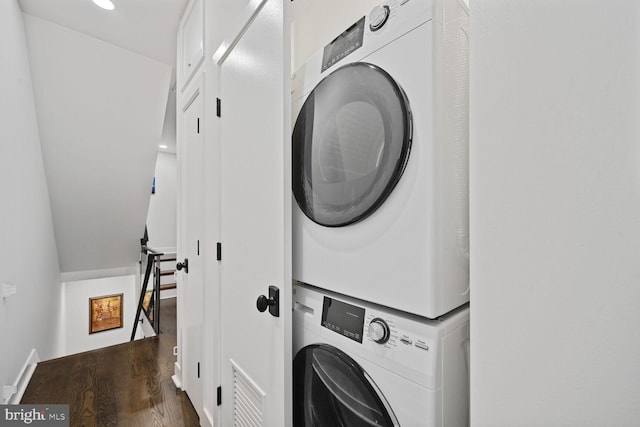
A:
x,y
255,220
192,40
191,288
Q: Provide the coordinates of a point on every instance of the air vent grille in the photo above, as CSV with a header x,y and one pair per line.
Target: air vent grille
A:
x,y
248,400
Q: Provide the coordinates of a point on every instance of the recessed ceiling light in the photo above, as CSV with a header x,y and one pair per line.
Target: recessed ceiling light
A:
x,y
105,4
163,146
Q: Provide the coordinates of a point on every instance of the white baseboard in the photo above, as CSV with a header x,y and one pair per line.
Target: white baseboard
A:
x,y
177,376
22,380
208,419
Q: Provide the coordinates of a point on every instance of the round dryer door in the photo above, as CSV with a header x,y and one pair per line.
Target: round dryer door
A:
x,y
330,390
351,143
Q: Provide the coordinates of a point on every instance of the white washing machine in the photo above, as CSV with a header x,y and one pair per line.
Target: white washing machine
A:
x,y
380,159
358,364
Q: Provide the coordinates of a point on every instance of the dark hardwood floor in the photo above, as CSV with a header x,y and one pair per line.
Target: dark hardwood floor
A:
x,y
123,385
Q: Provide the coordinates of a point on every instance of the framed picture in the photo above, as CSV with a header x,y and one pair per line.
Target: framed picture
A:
x,y
105,313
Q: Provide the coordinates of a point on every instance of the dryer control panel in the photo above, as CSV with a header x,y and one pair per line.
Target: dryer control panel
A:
x,y
344,44
354,37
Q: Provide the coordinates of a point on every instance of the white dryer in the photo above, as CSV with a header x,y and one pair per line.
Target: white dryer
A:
x,y
380,159
358,364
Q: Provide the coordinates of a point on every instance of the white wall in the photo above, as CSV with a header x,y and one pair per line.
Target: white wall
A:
x,y
168,138
75,306
101,110
28,257
555,213
161,219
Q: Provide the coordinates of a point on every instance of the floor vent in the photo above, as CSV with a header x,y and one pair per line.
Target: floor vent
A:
x,y
248,400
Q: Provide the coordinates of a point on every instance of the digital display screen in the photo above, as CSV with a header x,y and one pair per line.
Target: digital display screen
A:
x,y
342,318
343,45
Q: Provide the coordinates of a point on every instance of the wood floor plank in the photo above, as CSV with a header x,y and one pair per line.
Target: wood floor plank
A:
x,y
124,385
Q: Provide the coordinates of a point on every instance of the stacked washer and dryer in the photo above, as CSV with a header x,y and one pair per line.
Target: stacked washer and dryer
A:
x,y
380,237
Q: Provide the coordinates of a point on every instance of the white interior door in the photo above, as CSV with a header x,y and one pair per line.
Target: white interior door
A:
x,y
255,219
192,284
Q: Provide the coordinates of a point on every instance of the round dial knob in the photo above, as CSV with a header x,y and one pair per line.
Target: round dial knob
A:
x,y
379,331
378,17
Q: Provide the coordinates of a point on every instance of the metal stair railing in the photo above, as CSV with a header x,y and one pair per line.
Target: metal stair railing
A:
x,y
151,307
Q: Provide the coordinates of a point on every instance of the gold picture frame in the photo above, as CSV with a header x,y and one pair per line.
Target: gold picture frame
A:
x,y
105,313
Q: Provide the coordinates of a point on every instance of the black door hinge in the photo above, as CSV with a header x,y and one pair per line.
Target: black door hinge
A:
x,y
198,247
219,251
218,107
198,369
198,125
219,399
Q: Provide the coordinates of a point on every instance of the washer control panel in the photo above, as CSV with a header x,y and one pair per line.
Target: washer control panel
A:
x,y
343,318
395,333
408,345
382,329
378,330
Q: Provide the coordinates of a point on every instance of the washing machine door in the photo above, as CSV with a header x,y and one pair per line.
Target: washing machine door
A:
x,y
331,390
350,144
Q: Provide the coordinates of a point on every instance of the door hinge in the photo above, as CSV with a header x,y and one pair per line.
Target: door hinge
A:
x,y
198,369
219,251
198,125
198,247
218,107
219,399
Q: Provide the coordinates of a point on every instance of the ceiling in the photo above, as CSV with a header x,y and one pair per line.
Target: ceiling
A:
x,y
146,27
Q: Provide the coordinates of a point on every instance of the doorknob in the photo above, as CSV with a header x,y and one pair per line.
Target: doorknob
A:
x,y
184,264
273,302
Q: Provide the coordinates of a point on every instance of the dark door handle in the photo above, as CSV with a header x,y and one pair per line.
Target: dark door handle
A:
x,y
272,303
184,264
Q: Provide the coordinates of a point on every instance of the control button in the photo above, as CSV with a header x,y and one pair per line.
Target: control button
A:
x,y
379,330
406,341
422,345
378,17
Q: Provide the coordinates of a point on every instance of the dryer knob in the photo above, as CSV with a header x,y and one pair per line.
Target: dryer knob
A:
x,y
379,331
378,17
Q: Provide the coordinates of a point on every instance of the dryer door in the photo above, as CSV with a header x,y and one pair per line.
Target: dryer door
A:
x,y
351,143
331,390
